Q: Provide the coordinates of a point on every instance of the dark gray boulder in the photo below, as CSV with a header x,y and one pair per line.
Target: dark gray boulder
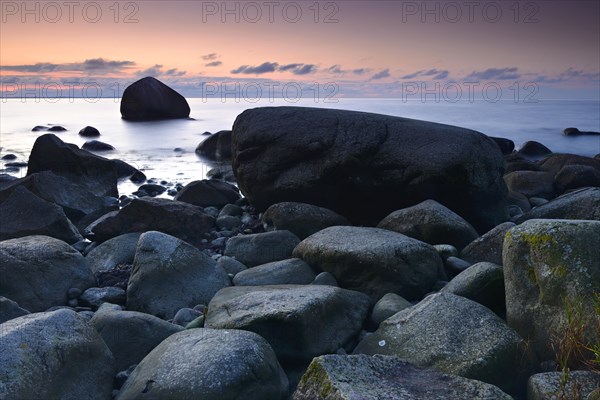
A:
x,y
38,271
169,274
10,310
341,377
299,321
208,364
300,218
119,250
482,282
261,248
577,132
207,193
387,306
54,355
373,261
562,385
150,99
533,150
432,223
97,174
131,335
24,214
488,247
454,335
96,145
291,271
217,146
89,131
344,160
185,221
579,204
76,200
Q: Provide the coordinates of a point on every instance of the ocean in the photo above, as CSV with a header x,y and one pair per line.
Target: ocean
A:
x,y
150,146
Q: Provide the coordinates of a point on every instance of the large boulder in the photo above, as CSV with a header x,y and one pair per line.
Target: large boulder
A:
x,y
454,335
97,174
131,335
216,146
54,355
300,218
117,251
182,220
580,204
341,377
482,282
10,310
432,223
24,214
261,248
291,271
487,247
551,274
208,364
76,200
373,261
38,271
299,321
150,99
169,274
563,385
364,166
207,193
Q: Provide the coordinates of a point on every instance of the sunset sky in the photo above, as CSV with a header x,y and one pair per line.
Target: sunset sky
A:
x,y
365,48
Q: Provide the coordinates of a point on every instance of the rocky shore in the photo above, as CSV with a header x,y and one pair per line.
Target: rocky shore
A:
x,y
355,256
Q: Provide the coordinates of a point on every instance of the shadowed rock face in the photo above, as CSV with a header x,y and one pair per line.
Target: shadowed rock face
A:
x,y
364,165
150,99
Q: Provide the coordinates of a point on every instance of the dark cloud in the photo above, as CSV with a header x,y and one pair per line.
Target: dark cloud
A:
x,y
92,65
157,70
210,57
381,74
495,73
360,71
304,69
573,73
336,69
436,73
213,64
289,66
264,68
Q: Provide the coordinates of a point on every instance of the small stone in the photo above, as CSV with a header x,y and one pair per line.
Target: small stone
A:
x,y
325,278
196,323
446,250
185,316
456,265
537,201
387,306
73,303
74,293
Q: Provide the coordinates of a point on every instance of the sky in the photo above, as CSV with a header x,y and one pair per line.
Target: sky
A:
x,y
448,50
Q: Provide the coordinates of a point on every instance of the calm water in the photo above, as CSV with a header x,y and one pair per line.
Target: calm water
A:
x,y
150,145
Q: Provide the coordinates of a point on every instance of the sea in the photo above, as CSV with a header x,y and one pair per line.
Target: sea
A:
x,y
165,150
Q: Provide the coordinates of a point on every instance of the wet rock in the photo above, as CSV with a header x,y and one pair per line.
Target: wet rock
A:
x,y
454,335
216,146
343,160
551,271
291,271
373,261
89,131
506,146
54,355
533,149
208,364
131,335
169,274
24,214
119,250
97,174
339,377
150,99
572,177
300,218
96,145
487,247
580,204
261,248
432,223
531,183
38,271
285,316
206,193
10,310
176,218
387,306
